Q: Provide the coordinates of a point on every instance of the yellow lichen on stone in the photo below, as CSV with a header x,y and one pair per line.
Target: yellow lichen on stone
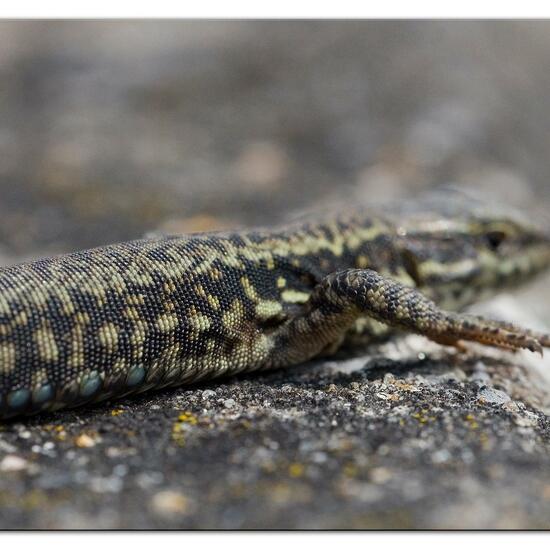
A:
x,y
296,469
185,419
423,417
188,417
471,422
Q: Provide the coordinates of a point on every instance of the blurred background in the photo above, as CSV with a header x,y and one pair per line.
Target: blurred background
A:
x,y
109,130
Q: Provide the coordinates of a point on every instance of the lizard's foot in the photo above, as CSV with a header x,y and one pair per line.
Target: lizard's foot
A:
x,y
343,297
407,308
488,332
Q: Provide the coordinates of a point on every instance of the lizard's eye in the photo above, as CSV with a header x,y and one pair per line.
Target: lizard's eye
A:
x,y
495,239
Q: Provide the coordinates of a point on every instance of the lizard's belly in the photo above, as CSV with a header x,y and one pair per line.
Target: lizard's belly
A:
x,y
366,331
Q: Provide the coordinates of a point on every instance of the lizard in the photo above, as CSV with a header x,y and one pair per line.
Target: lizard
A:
x,y
176,309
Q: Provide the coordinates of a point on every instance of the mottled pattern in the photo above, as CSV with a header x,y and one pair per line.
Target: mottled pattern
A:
x,y
178,309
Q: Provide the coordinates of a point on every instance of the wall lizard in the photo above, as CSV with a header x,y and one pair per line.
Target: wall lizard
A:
x,y
171,310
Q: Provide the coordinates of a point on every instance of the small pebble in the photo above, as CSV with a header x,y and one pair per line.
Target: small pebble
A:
x,y
380,475
147,480
13,463
441,456
84,441
169,503
120,470
526,422
114,452
208,394
6,447
105,484
511,406
493,396
229,403
319,457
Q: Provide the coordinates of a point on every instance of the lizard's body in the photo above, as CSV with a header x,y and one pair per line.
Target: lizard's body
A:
x,y
172,310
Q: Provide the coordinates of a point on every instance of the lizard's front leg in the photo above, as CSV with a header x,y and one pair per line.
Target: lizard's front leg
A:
x,y
343,297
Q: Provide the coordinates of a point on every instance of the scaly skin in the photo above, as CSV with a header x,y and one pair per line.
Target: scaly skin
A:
x,y
173,310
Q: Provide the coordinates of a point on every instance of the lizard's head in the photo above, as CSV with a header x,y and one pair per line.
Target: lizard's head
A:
x,y
464,249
